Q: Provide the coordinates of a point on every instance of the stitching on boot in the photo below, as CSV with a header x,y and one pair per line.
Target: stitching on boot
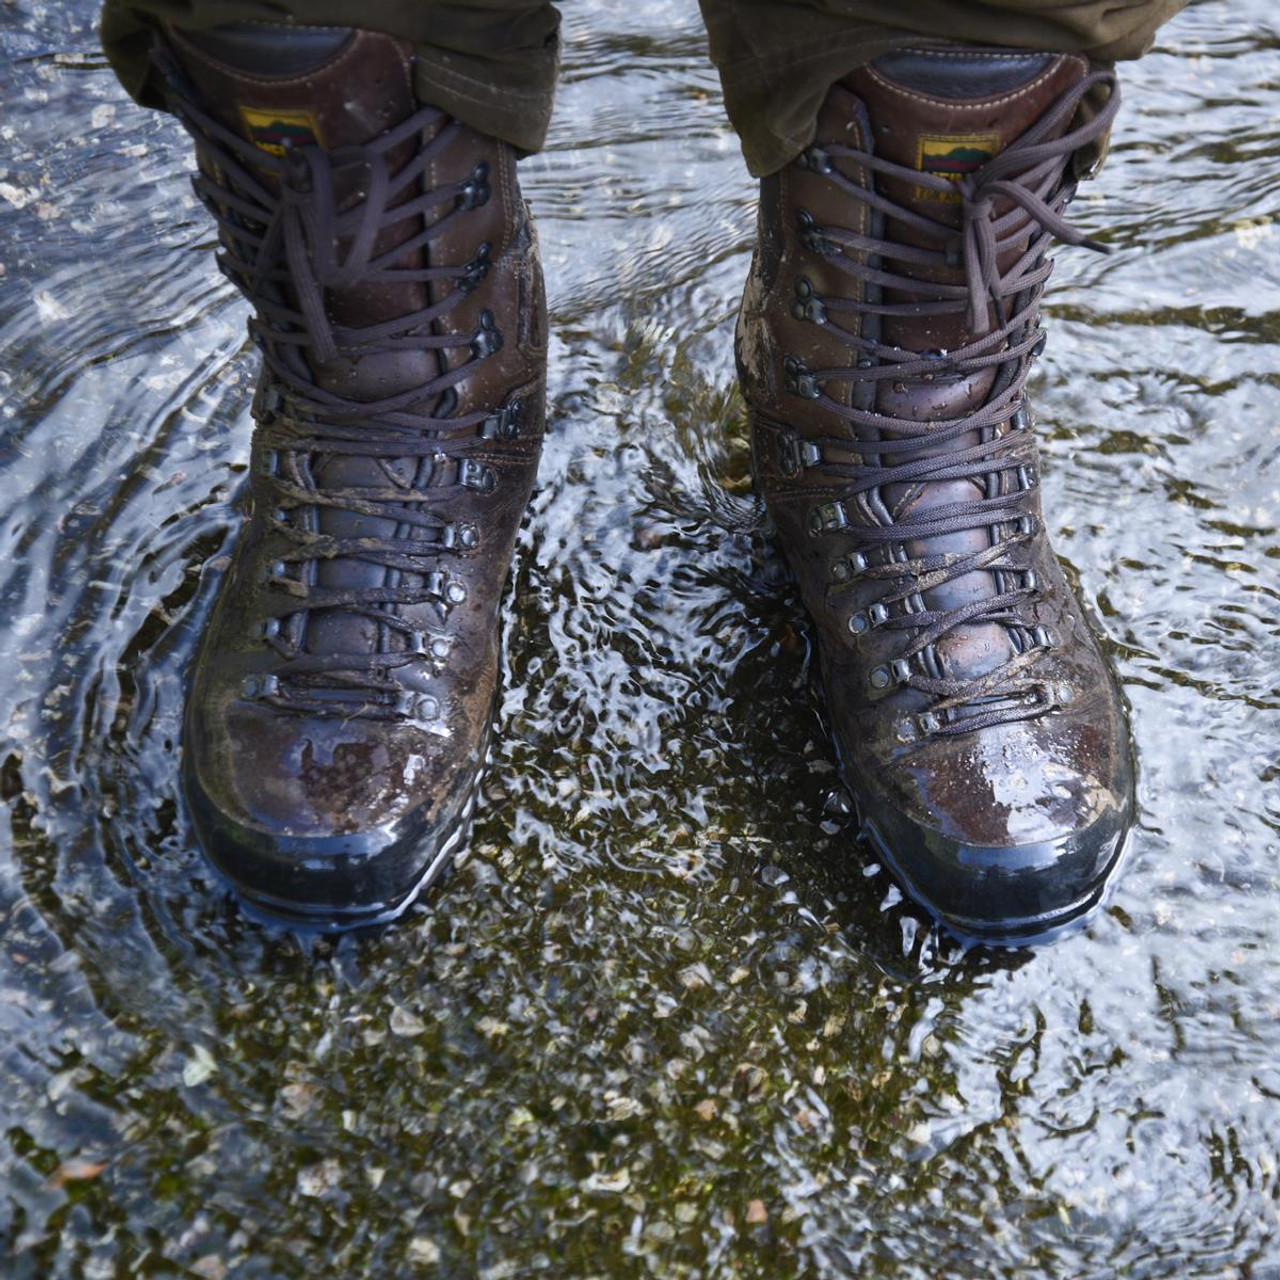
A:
x,y
275,82
982,105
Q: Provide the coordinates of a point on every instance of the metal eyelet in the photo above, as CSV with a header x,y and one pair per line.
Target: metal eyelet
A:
x,y
487,339
459,535
421,706
811,238
441,647
267,686
476,475
928,722
798,380
1030,581
455,592
476,270
814,311
796,453
815,159
270,463
476,190
270,628
859,623
827,518
1044,637
878,613
880,678
808,306
503,425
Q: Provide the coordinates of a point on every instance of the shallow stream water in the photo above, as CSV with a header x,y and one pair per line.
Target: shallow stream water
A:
x,y
667,1018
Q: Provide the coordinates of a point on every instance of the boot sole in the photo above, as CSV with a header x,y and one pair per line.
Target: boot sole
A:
x,y
303,918
299,915
1008,932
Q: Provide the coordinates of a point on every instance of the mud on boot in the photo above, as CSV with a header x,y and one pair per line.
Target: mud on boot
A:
x,y
888,327
340,701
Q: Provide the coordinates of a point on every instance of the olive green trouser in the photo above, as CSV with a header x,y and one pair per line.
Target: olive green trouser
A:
x,y
492,63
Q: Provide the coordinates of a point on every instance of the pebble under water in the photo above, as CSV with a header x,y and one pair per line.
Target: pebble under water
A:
x,y
667,1017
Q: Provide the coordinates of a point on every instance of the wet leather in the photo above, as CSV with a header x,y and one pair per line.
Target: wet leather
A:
x,y
272,51
954,73
293,777
1010,786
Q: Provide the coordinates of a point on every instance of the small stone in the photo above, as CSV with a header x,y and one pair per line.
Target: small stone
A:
x,y
756,1212
696,976
404,1023
619,1181
199,1067
622,1107
707,1109
316,1179
423,1251
75,1171
298,1099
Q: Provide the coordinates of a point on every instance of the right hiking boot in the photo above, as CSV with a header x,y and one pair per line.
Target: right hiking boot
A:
x,y
340,701
886,336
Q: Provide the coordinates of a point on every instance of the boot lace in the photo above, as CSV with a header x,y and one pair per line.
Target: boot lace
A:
x,y
284,245
1002,312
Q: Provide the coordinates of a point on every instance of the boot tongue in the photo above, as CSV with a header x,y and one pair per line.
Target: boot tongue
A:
x,y
294,86
330,87
947,111
281,87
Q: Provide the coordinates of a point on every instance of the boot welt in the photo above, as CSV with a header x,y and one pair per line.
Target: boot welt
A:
x,y
1021,896
339,883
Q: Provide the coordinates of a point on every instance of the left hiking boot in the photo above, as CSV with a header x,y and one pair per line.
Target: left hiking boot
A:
x,y
341,697
888,327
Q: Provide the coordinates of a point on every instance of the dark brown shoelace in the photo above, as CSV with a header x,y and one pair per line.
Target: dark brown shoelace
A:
x,y
1029,175
284,248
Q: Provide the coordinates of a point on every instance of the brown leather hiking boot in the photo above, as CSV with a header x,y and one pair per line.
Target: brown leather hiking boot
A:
x,y
341,698
886,334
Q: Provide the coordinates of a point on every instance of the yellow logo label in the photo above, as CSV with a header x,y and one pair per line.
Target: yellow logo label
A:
x,y
952,156
276,131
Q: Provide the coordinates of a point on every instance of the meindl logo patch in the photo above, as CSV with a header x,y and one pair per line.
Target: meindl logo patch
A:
x,y
277,131
952,156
